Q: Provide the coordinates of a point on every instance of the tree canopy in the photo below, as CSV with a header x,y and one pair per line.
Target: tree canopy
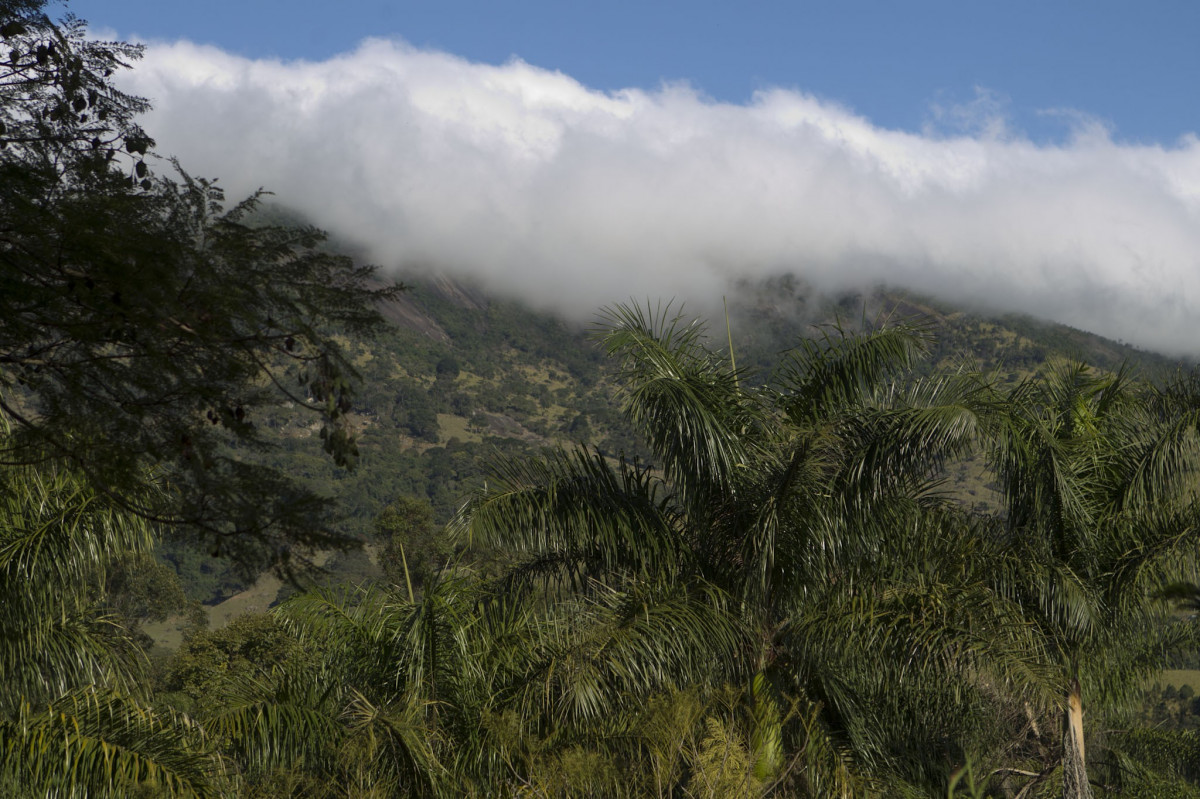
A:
x,y
888,631
146,330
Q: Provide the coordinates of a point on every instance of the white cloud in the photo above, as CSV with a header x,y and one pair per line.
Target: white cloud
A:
x,y
575,198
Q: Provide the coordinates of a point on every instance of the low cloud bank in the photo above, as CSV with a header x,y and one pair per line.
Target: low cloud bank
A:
x,y
573,198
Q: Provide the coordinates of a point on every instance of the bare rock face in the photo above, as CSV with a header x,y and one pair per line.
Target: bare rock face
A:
x,y
403,312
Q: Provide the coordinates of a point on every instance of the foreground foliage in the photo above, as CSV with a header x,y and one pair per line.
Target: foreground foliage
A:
x,y
76,718
914,635
784,603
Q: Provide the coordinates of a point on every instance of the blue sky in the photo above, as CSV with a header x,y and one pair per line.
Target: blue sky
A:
x,y
1131,65
1039,157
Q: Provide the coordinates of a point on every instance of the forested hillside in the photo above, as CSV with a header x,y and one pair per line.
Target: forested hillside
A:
x,y
460,376
461,373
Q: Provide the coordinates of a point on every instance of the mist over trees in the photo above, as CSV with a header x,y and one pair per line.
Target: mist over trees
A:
x,y
763,585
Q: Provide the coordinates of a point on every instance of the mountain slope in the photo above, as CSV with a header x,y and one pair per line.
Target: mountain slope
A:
x,y
461,375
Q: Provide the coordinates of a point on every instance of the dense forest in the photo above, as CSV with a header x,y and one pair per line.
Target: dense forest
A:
x,y
810,546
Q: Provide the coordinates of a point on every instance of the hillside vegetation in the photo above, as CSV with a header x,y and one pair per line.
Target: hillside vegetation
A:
x,y
460,374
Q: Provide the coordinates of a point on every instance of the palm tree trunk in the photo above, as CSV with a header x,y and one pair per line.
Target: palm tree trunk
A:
x,y
1075,781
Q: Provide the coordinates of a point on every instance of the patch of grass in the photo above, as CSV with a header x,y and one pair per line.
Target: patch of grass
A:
x,y
541,373
1179,678
255,599
467,379
451,426
167,634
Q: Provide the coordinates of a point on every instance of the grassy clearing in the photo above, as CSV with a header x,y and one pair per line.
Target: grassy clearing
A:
x,y
467,379
1179,678
451,426
546,373
167,634
256,599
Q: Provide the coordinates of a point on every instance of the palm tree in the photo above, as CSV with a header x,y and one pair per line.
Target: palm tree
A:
x,y
810,502
73,720
1097,473
369,718
466,689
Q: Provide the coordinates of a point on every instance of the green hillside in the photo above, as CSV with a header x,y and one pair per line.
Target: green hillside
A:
x,y
461,375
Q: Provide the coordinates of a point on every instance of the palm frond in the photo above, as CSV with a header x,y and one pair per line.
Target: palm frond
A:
x,y
54,526
285,721
399,744
98,743
619,647
579,508
57,537
839,369
688,404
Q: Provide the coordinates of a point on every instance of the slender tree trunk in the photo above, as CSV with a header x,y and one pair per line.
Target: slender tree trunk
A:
x,y
1075,781
407,579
